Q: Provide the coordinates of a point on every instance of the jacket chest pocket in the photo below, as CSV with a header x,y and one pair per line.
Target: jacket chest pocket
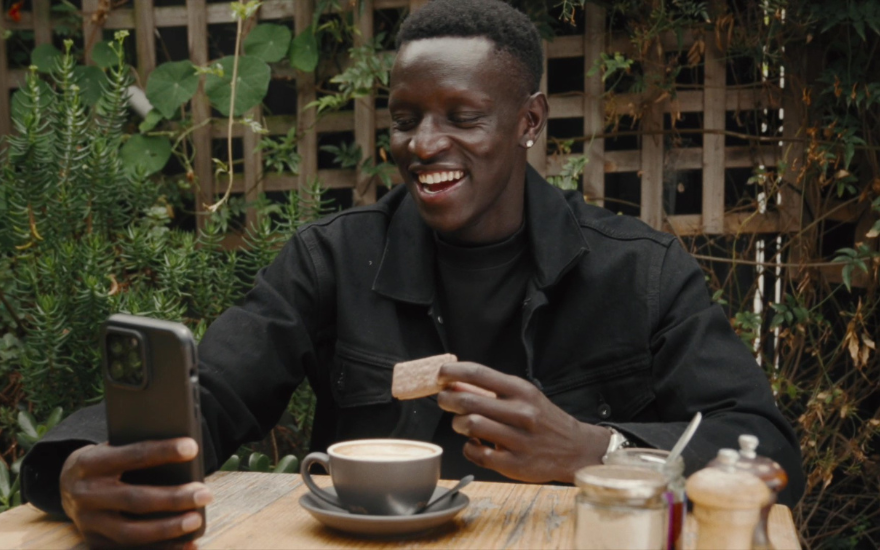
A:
x,y
359,378
361,386
618,392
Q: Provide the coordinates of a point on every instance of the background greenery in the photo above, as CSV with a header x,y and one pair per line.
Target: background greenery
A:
x,y
97,210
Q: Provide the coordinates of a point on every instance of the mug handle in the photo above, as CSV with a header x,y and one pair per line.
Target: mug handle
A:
x,y
323,460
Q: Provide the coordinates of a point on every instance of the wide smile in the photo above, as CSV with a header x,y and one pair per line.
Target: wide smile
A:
x,y
439,182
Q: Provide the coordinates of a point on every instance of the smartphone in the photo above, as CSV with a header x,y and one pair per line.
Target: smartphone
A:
x,y
151,391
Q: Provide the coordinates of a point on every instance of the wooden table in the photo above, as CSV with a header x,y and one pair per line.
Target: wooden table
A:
x,y
253,510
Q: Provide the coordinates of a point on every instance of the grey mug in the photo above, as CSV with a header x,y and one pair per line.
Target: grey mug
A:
x,y
382,485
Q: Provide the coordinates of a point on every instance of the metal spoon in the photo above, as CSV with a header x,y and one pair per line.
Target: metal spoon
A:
x,y
684,439
448,494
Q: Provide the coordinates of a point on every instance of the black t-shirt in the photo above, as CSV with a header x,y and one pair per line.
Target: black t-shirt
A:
x,y
481,294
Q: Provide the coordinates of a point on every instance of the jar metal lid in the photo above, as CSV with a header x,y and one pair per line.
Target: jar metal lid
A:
x,y
625,482
653,459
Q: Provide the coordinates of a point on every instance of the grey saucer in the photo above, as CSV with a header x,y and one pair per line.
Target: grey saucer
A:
x,y
340,519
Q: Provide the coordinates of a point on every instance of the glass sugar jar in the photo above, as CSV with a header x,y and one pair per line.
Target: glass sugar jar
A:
x,y
655,459
620,507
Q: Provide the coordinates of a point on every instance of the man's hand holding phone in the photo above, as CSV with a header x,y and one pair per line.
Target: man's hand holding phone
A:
x,y
105,509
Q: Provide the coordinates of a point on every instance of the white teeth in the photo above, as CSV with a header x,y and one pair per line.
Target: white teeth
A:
x,y
440,177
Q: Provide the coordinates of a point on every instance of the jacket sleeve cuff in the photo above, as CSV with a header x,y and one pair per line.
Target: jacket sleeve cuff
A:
x,y
40,473
41,468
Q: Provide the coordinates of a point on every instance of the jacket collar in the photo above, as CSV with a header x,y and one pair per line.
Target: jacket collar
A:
x,y
406,272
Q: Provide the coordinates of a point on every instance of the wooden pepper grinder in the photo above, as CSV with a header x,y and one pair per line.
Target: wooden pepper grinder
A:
x,y
727,504
771,473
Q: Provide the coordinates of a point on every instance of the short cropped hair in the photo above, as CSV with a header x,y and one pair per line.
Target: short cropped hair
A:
x,y
510,30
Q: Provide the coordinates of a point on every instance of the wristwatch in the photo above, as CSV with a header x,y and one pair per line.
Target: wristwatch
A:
x,y
617,441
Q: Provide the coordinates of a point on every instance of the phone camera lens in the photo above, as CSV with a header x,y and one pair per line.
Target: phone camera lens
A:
x,y
125,359
116,347
117,371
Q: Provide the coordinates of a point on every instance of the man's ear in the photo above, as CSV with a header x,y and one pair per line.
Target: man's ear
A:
x,y
536,112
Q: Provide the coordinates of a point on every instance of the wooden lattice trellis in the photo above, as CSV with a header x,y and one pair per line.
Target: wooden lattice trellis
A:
x,y
714,100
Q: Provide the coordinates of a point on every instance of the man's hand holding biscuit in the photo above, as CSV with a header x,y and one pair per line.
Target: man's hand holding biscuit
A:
x,y
532,439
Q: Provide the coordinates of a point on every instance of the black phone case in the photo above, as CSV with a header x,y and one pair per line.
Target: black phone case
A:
x,y
167,406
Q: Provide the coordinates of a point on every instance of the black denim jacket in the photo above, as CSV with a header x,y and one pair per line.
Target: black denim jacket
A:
x,y
618,329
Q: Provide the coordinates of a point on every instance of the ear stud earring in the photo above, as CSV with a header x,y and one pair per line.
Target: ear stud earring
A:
x,y
529,143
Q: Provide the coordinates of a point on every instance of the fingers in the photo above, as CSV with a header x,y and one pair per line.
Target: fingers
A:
x,y
143,499
480,427
500,460
464,386
523,415
106,529
483,377
109,460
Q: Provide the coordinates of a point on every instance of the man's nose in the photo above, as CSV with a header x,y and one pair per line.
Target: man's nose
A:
x,y
428,140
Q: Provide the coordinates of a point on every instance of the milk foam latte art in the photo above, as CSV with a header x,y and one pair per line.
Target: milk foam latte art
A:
x,y
384,477
383,451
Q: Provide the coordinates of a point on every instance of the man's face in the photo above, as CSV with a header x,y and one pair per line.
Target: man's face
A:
x,y
458,116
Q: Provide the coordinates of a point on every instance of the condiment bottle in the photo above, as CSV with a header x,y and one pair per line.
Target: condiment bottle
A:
x,y
727,504
620,507
771,473
655,459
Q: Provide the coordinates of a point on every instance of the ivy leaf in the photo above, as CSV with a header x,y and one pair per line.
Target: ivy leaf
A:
x,y
846,274
304,51
145,153
268,42
153,118
44,57
89,80
171,85
288,464
251,85
103,55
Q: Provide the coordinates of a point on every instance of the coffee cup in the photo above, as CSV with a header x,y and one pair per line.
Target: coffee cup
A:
x,y
384,477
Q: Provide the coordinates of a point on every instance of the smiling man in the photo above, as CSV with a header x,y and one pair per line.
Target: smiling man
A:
x,y
593,330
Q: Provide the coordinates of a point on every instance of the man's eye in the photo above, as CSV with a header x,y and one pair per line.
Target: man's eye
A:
x,y
403,123
464,119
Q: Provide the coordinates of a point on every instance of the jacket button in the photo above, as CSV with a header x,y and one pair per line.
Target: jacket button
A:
x,y
604,411
440,319
340,380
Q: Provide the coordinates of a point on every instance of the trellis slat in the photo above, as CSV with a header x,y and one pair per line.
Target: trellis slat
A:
x,y
652,169
145,31
714,103
42,21
305,84
594,108
253,158
197,37
91,31
364,191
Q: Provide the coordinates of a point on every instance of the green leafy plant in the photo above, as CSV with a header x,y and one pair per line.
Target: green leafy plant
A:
x,y
85,232
31,432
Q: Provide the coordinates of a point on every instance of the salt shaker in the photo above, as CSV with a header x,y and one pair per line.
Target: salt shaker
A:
x,y
620,507
727,504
